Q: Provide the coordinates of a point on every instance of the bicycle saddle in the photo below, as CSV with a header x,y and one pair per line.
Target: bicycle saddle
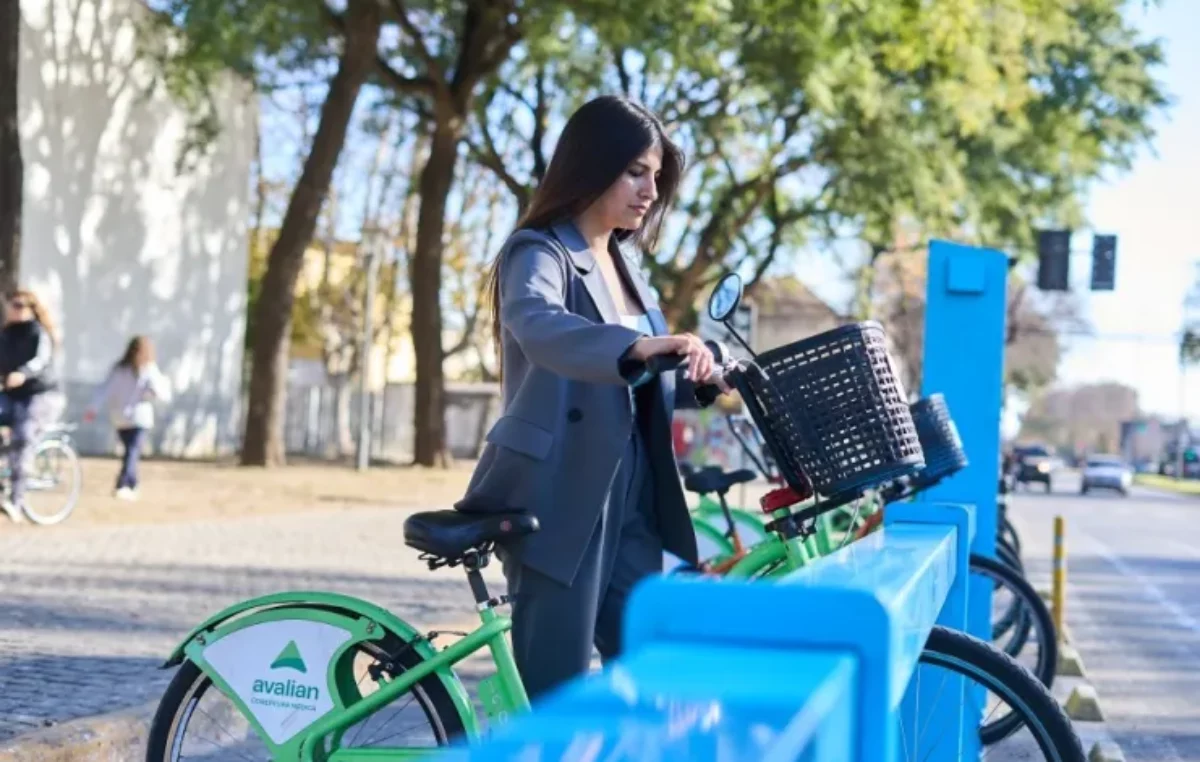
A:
x,y
450,534
713,479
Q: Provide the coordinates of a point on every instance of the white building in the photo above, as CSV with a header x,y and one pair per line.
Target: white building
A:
x,y
114,239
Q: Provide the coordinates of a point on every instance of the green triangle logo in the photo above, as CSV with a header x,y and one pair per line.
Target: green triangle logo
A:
x,y
290,657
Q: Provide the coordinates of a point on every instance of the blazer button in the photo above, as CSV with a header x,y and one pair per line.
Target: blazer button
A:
x,y
574,415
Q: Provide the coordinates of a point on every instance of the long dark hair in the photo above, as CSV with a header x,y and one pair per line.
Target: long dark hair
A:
x,y
598,143
138,354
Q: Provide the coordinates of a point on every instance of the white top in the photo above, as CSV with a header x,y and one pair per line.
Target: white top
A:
x,y
130,395
638,323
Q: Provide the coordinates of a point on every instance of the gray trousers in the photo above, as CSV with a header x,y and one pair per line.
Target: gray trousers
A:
x,y
29,419
556,625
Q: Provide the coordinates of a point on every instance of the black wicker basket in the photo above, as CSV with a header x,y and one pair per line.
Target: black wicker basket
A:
x,y
835,410
943,447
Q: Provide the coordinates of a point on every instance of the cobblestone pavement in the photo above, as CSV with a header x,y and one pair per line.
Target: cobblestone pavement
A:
x,y
88,613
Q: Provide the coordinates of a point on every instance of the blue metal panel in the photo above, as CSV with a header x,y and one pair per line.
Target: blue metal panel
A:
x,y
928,703
677,702
876,598
964,360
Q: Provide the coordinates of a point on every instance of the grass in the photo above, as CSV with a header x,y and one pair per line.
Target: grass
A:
x,y
1169,483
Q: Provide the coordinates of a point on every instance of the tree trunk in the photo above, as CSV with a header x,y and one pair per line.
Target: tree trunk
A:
x,y
263,442
425,277
12,168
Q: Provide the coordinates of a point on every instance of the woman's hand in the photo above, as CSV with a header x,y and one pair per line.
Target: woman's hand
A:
x,y
700,362
14,379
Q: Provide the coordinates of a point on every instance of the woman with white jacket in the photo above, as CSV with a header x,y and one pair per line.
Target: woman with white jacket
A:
x,y
129,392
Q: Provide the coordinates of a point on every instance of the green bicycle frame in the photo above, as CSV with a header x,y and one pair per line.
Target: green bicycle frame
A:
x,y
502,694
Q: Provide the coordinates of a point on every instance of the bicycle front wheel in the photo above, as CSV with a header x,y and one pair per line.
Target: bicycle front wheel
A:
x,y
994,680
53,483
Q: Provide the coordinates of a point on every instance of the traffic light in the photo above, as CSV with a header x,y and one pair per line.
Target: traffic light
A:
x,y
1104,262
1054,260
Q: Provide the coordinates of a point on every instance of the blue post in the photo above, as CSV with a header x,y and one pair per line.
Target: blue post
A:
x,y
966,300
964,360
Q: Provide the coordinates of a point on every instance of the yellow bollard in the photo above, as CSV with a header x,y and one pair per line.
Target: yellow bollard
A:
x,y
1058,592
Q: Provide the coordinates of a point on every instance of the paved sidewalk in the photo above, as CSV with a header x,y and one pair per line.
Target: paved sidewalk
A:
x,y
88,613
173,491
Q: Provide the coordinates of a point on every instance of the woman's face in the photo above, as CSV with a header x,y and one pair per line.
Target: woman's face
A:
x,y
18,309
627,201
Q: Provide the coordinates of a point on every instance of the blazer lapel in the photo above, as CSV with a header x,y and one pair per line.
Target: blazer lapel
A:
x,y
585,262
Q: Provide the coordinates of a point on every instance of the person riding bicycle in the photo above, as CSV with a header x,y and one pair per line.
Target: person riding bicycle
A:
x,y
28,344
584,439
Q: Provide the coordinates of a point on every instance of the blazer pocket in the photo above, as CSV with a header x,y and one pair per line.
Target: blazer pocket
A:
x,y
522,436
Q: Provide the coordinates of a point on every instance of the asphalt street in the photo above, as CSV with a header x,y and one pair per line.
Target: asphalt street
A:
x,y
1133,605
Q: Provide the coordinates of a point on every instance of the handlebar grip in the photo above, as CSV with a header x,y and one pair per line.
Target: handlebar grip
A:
x,y
707,394
664,363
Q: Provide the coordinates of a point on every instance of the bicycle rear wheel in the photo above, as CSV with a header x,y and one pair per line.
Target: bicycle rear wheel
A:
x,y
195,721
53,483
1039,725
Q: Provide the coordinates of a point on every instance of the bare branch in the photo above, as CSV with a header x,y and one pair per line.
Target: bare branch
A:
x,y
431,63
623,71
383,68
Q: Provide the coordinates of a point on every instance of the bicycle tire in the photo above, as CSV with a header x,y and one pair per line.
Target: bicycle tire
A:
x,y
190,682
1035,615
1009,534
76,471
1005,553
1001,674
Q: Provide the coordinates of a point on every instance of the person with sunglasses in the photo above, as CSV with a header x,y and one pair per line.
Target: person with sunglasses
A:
x,y
31,399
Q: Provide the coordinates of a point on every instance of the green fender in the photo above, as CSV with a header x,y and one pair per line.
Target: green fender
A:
x,y
346,604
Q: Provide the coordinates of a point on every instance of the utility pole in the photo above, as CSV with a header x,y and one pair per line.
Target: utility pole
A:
x,y
1187,355
372,243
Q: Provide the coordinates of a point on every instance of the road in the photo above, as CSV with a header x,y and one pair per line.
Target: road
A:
x,y
1133,606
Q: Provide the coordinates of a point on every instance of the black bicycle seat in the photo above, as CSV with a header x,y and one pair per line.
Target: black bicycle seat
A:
x,y
714,479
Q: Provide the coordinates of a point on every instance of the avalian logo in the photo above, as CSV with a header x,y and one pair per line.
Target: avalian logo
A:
x,y
290,657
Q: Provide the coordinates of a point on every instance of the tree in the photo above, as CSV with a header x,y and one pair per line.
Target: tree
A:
x,y
814,123
262,444
12,167
260,41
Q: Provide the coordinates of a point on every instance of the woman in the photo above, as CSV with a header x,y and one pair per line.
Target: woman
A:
x,y
28,343
129,392
584,441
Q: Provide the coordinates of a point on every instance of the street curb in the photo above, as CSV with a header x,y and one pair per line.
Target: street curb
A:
x,y
1084,704
115,737
1106,751
1070,663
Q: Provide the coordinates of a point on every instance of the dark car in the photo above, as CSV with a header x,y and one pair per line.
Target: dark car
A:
x,y
1033,464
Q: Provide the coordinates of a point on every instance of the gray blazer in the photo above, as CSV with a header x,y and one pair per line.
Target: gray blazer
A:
x,y
568,409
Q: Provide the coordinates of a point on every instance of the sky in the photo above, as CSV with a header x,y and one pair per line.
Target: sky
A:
x,y
1154,209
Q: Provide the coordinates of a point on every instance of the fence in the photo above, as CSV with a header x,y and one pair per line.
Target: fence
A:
x,y
320,421
323,420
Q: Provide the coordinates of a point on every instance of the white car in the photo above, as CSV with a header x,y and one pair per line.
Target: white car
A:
x,y
1106,472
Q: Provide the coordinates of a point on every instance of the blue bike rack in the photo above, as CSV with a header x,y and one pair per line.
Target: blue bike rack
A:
x,y
821,665
817,665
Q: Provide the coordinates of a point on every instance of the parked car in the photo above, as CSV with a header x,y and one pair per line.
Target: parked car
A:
x,y
1034,464
1106,472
